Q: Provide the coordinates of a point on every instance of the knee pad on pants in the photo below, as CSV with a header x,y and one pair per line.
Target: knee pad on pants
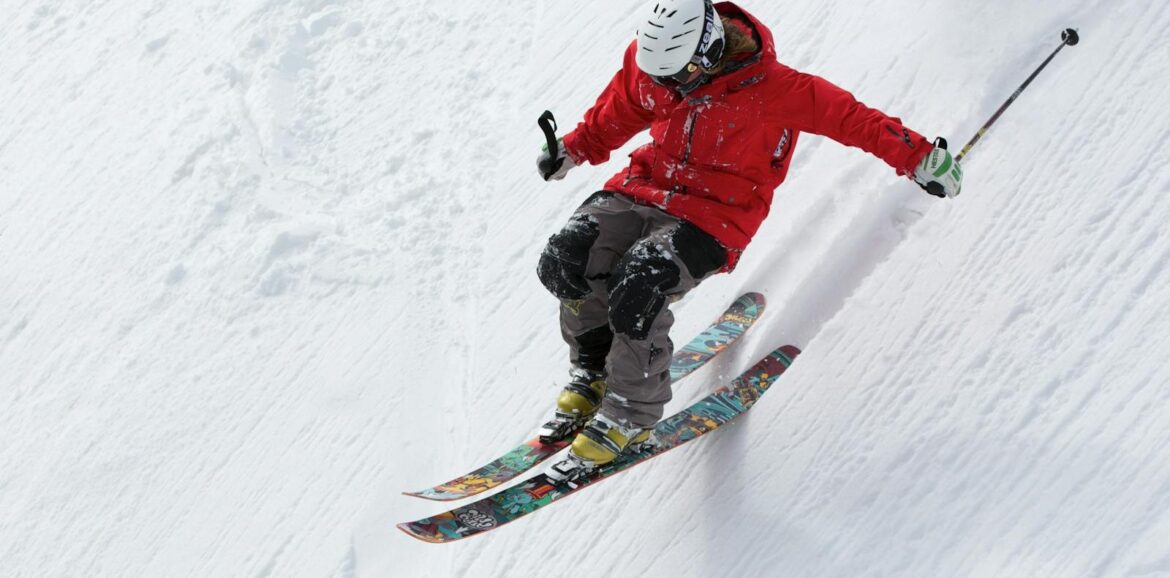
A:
x,y
638,288
562,264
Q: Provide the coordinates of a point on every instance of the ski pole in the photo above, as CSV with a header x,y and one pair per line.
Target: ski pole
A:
x,y
1067,38
548,125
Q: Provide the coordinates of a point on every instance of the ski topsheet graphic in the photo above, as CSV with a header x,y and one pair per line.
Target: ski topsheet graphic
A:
x,y
540,490
718,336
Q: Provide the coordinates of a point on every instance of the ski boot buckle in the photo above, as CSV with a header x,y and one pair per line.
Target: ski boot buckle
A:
x,y
570,471
561,427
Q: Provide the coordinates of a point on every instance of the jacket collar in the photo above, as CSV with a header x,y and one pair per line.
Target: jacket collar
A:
x,y
739,74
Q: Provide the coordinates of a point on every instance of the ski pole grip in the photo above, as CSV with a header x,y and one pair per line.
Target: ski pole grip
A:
x,y
548,125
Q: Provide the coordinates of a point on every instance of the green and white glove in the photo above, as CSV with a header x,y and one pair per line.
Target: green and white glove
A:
x,y
554,168
939,173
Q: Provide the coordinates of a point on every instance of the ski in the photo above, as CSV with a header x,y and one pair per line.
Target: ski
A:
x,y
718,336
540,490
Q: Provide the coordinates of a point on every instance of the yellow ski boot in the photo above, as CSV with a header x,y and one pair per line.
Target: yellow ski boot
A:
x,y
603,440
577,403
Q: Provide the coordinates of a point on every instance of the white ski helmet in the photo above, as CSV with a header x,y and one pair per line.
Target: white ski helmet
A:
x,y
678,33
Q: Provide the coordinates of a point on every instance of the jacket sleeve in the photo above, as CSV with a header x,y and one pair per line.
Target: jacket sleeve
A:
x,y
812,104
614,119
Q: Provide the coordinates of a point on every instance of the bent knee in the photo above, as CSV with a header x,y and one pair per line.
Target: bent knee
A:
x,y
562,263
638,289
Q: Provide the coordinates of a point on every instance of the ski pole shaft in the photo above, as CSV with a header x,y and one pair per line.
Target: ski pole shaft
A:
x,y
1068,38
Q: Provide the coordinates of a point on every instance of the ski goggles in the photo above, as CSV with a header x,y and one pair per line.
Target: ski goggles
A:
x,y
688,74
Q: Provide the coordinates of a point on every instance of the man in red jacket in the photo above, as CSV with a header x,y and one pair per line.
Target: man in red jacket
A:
x,y
724,117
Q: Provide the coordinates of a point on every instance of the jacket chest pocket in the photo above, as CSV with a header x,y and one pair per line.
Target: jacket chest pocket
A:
x,y
728,135
678,140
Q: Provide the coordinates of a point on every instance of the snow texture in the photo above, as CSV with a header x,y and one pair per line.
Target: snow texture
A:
x,y
268,264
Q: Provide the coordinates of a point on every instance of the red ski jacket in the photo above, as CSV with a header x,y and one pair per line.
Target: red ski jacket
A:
x,y
718,153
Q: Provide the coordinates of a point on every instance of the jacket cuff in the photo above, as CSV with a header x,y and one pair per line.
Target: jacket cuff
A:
x,y
915,159
572,148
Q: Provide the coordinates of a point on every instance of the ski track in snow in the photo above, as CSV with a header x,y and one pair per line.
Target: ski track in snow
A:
x,y
272,263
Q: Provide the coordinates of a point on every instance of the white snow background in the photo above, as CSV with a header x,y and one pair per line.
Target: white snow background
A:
x,y
265,265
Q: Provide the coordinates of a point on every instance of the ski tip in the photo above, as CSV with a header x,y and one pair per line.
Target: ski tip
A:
x,y
788,352
750,304
752,298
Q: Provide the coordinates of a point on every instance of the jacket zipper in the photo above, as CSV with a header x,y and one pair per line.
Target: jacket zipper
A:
x,y
689,131
689,126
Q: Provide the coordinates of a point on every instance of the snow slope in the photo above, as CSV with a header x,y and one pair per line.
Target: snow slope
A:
x,y
268,264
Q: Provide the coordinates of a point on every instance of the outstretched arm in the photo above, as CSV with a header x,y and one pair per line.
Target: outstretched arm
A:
x,y
812,104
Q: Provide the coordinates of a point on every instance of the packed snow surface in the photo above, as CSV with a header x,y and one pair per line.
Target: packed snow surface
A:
x,y
268,264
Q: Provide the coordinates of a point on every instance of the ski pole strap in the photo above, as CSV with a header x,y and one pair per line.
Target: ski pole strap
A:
x,y
548,125
1067,38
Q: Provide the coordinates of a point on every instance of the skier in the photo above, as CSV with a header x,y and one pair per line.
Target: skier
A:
x,y
724,116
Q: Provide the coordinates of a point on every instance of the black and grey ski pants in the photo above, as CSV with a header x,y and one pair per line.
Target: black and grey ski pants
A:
x,y
616,266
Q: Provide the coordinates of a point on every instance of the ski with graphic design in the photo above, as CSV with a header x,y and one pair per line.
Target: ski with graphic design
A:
x,y
726,330
718,408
